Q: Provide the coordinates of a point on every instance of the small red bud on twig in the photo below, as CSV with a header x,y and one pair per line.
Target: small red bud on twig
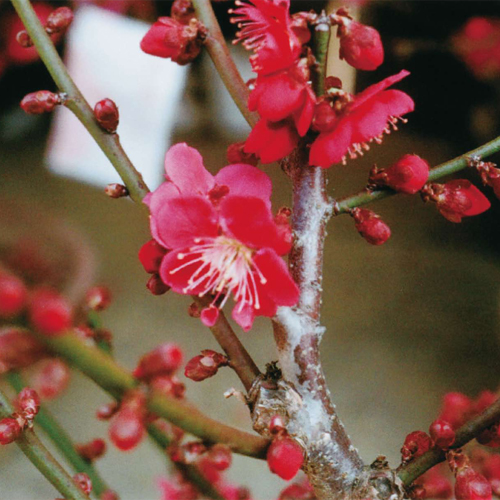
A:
x,y
28,403
156,286
83,481
10,430
416,444
285,457
98,298
163,360
92,450
205,365
115,190
24,40
442,434
106,114
370,226
52,378
50,313
40,102
59,20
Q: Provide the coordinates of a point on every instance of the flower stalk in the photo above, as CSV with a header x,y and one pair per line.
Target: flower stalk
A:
x,y
43,460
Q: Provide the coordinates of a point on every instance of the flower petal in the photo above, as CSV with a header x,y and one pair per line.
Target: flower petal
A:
x,y
329,148
184,167
250,221
303,117
244,316
156,200
279,287
182,219
245,180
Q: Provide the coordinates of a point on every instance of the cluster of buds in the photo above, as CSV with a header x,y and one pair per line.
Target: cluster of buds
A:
x,y
205,365
490,174
57,22
284,455
179,37
27,405
151,255
369,225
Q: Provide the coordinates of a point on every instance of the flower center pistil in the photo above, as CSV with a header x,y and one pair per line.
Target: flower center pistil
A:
x,y
224,266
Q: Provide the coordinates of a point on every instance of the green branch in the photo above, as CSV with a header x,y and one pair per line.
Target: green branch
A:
x,y
461,162
114,379
224,63
34,449
61,439
109,143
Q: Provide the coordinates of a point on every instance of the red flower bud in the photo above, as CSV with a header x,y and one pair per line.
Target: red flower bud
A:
x,y
110,495
19,349
151,254
98,298
324,118
182,11
24,40
456,409
220,456
205,365
408,175
106,114
370,226
83,481
28,403
360,45
51,379
163,360
128,425
59,20
156,286
92,450
106,411
470,485
10,430
456,199
236,154
13,296
169,385
442,434
416,444
171,39
115,190
50,313
285,457
40,102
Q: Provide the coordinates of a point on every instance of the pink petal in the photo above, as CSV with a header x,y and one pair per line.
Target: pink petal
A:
x,y
184,167
178,279
303,117
330,147
280,287
209,316
245,180
156,200
250,221
272,141
244,316
182,219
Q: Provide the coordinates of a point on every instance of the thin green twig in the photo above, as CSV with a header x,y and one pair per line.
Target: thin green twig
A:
x,y
109,143
43,460
60,438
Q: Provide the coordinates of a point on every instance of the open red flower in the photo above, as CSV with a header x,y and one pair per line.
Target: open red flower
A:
x,y
266,28
364,119
222,236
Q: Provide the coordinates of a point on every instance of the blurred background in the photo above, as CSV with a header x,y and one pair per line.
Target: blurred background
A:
x,y
406,322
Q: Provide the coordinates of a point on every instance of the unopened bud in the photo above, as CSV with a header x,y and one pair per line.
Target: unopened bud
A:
x,y
50,313
285,457
59,20
107,116
92,450
51,379
370,226
128,425
182,11
416,444
10,430
13,296
98,298
115,190
236,154
106,411
205,365
83,481
163,360
28,403
40,102
156,286
442,434
470,485
24,40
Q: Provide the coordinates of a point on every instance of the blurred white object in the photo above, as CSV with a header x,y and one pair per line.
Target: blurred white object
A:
x,y
104,59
